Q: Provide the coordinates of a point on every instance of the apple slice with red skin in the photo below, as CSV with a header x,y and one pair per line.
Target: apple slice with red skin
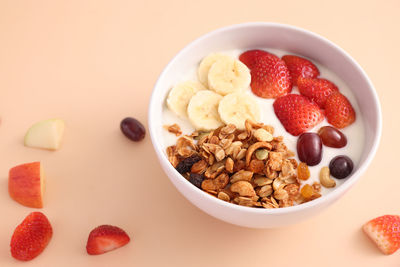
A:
x,y
26,184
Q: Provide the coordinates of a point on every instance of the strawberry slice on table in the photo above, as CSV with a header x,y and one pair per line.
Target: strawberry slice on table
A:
x,y
316,89
384,231
270,77
300,67
339,111
105,238
31,237
297,114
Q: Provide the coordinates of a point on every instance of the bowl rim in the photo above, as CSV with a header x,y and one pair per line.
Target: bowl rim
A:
x,y
297,208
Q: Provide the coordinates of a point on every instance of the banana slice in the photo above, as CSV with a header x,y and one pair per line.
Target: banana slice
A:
x,y
203,110
228,76
180,95
235,108
205,65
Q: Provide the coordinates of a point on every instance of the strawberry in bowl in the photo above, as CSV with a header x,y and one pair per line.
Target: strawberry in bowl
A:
x,y
270,76
297,114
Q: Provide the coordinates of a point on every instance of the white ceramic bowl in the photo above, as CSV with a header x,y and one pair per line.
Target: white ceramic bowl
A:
x,y
272,35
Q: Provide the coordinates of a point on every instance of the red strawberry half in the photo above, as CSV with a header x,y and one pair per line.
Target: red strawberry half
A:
x,y
31,237
316,89
297,114
270,77
250,57
384,231
339,111
105,238
300,67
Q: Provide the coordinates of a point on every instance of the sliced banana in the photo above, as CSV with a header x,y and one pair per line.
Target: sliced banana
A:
x,y
180,95
206,64
235,108
203,110
228,76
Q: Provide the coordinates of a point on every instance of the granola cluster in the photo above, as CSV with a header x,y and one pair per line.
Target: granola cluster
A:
x,y
247,167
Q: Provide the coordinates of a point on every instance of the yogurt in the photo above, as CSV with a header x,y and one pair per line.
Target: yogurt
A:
x,y
355,132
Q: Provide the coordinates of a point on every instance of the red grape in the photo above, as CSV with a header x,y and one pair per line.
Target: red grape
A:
x,y
309,148
133,129
332,137
341,166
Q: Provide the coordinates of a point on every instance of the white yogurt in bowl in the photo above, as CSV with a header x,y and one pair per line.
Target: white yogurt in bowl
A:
x,y
354,132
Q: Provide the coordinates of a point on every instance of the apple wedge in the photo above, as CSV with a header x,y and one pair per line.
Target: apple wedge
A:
x,y
26,184
45,134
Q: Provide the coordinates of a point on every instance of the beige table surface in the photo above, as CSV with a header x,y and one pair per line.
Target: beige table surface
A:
x,y
95,62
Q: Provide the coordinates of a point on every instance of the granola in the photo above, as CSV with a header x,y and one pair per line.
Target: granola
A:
x,y
174,128
247,167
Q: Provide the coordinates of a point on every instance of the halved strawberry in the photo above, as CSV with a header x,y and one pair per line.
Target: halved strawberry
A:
x,y
31,237
339,111
249,58
300,67
105,238
297,114
270,77
384,231
316,89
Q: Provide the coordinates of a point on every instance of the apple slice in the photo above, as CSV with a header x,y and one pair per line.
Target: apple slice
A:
x,y
45,134
26,184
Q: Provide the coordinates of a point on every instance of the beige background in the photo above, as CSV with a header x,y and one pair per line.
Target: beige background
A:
x,y
95,62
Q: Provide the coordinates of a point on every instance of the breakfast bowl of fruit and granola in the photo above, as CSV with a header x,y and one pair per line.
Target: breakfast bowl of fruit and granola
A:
x,y
262,124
